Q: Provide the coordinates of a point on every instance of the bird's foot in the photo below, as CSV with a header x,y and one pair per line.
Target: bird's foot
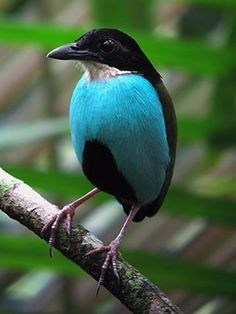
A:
x,y
112,253
66,213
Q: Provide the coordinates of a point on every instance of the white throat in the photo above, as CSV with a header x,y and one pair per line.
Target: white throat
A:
x,y
99,71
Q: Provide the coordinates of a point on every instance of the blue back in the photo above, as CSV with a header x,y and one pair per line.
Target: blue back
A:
x,y
125,114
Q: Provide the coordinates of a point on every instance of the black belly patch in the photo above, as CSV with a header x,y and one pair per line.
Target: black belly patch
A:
x,y
100,168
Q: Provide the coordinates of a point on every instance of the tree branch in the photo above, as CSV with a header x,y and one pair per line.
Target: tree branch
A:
x,y
136,292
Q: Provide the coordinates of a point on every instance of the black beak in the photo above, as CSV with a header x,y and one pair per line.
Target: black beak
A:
x,y
70,52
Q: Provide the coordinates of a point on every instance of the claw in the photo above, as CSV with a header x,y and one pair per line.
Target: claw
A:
x,y
51,251
101,249
114,266
111,258
53,225
48,225
68,223
68,212
98,288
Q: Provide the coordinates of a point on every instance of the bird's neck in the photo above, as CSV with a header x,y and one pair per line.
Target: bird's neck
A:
x,y
99,71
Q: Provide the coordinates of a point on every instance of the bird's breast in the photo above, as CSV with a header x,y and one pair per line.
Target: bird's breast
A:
x,y
124,113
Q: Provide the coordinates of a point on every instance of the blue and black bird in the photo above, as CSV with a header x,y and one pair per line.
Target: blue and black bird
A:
x,y
123,129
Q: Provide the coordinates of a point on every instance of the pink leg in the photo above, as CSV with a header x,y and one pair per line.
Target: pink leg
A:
x,y
68,212
113,248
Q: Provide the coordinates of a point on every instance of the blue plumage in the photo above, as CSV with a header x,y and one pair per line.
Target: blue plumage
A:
x,y
124,113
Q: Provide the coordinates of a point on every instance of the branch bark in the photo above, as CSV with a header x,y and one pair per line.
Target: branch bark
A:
x,y
22,203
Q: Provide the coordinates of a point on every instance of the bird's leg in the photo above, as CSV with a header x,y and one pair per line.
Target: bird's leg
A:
x,y
66,212
113,248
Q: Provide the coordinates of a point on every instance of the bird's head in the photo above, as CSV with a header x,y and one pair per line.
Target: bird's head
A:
x,y
109,47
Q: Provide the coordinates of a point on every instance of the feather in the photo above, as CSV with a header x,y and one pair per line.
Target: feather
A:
x,y
125,114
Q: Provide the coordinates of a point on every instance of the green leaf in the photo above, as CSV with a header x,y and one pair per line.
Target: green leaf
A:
x,y
195,57
31,132
31,253
25,252
175,272
57,183
179,201
214,3
182,202
42,35
212,129
194,129
225,185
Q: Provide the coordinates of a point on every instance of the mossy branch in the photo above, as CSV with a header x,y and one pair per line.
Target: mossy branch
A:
x,y
22,203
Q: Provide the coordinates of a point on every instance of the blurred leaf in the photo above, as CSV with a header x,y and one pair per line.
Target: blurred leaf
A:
x,y
10,6
51,181
122,13
59,184
175,272
23,134
214,3
29,253
209,184
179,201
186,203
194,129
192,56
18,32
24,252
195,57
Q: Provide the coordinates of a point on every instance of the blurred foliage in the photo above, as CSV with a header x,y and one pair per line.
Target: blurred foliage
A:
x,y
30,132
214,3
213,201
172,272
136,13
192,56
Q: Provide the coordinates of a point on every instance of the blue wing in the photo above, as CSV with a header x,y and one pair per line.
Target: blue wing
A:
x,y
123,113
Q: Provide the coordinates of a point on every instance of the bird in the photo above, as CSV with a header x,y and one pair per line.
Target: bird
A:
x,y
123,130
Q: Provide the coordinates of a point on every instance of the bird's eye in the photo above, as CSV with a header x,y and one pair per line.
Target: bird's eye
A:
x,y
108,46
